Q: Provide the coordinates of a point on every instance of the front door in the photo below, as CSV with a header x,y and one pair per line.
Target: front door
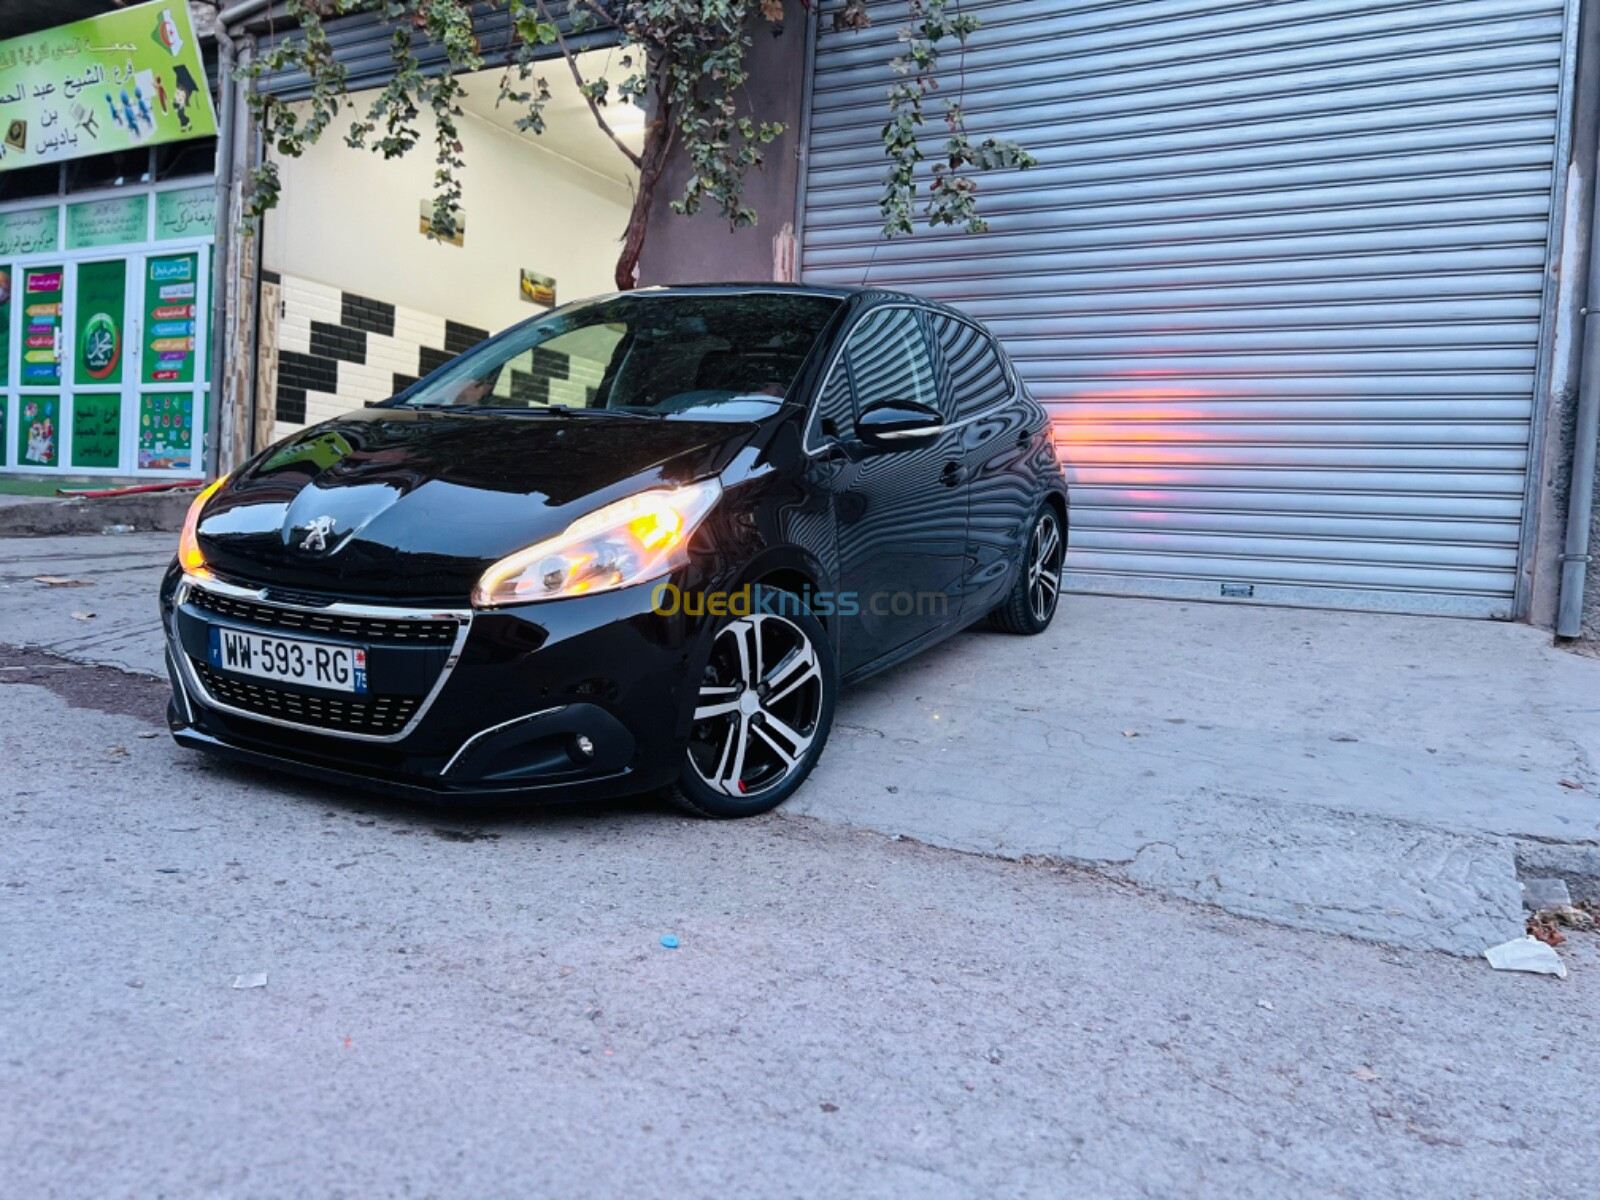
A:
x,y
902,513
100,366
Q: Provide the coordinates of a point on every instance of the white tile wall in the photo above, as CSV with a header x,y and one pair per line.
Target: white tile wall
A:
x,y
305,301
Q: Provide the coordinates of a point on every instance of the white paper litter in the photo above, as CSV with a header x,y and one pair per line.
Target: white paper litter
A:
x,y
258,979
1526,954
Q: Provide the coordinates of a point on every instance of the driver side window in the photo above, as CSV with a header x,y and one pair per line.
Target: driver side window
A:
x,y
889,360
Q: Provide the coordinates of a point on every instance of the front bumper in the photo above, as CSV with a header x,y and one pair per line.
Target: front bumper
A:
x,y
572,699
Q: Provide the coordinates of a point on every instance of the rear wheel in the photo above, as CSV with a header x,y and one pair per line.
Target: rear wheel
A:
x,y
761,717
1031,604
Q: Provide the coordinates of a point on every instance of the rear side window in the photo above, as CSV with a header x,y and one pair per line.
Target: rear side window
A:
x,y
977,376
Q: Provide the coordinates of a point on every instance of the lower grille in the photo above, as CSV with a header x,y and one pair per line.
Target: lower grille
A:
x,y
381,716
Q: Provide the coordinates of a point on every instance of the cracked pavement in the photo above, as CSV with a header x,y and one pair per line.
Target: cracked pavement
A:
x,y
474,1004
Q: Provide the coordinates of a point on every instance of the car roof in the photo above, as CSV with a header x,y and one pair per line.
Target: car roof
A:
x,y
867,295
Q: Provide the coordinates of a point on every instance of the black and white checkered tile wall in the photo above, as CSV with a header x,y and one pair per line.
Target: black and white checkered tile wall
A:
x,y
338,350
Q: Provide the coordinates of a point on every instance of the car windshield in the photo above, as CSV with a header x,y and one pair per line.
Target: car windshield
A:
x,y
729,356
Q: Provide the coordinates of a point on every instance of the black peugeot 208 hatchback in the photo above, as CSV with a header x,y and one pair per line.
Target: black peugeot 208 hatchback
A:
x,y
638,542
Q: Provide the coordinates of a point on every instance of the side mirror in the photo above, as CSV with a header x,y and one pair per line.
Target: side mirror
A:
x,y
898,424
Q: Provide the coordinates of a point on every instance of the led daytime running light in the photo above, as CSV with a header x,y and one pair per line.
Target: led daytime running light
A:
x,y
638,538
190,557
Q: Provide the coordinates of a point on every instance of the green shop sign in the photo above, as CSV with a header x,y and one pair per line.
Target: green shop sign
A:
x,y
117,222
186,213
29,231
121,81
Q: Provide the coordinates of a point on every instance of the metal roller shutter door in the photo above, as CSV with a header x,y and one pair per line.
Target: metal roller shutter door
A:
x,y
1279,275
362,43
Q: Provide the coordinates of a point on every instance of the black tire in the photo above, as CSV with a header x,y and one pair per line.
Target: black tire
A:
x,y
778,734
1031,604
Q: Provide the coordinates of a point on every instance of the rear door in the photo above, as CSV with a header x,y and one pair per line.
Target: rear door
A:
x,y
996,441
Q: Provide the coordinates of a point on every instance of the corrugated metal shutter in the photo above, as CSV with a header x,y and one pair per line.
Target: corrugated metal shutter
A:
x,y
1279,275
363,44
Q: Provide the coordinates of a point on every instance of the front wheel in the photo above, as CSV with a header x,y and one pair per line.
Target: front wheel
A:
x,y
1031,604
762,715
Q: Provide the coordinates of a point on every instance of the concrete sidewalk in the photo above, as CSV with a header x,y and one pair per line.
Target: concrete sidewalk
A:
x,y
62,516
1369,775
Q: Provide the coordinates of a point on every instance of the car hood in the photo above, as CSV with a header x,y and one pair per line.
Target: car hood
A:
x,y
417,503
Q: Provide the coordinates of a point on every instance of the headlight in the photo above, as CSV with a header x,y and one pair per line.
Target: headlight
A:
x,y
190,558
628,542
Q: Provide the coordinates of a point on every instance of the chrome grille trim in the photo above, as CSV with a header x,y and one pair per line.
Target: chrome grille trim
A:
x,y
325,622
257,596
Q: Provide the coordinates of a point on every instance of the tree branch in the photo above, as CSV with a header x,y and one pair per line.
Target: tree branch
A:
x,y
594,107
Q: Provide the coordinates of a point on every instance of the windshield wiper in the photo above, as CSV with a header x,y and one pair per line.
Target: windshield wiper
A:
x,y
570,410
552,410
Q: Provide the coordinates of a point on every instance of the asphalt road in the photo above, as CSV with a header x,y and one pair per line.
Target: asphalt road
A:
x,y
479,1005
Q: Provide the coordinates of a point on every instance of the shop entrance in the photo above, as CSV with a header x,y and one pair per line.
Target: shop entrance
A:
x,y
103,350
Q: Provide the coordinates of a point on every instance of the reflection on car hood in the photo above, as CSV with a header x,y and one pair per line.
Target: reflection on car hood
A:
x,y
398,502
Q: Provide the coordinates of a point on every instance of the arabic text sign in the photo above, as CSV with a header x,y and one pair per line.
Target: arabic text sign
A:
x,y
29,231
122,80
186,213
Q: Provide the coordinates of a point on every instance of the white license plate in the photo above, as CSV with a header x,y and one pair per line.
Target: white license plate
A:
x,y
314,664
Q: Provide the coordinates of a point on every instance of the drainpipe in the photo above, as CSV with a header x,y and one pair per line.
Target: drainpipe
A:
x,y
227,18
219,251
233,14
1580,505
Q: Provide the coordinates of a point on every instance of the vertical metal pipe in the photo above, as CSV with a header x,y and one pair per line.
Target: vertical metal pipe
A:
x,y
1580,498
222,240
1580,505
803,137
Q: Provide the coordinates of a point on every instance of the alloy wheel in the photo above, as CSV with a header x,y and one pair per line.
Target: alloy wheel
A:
x,y
1044,567
759,706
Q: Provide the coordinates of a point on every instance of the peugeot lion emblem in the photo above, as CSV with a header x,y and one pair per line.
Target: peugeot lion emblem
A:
x,y
317,534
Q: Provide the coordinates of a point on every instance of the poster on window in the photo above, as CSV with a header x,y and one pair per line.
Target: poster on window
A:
x,y
41,327
166,431
5,324
36,430
102,301
96,430
169,317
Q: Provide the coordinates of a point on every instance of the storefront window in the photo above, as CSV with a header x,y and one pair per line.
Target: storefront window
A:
x,y
124,168
19,183
177,159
